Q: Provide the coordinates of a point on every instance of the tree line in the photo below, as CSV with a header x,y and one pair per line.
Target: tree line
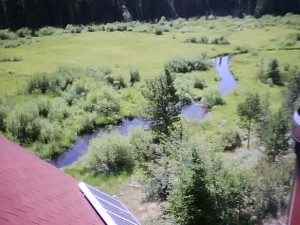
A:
x,y
16,14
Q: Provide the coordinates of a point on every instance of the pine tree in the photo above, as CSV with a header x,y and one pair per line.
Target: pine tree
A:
x,y
163,103
276,139
274,73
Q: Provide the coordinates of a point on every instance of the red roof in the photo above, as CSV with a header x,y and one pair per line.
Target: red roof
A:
x,y
35,192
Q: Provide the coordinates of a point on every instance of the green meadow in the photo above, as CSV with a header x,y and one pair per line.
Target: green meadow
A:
x,y
103,50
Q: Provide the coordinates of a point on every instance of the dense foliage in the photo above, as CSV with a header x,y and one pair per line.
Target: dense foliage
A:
x,y
16,14
60,105
163,103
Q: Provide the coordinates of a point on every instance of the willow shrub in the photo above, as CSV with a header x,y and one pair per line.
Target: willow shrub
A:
x,y
23,124
230,139
212,98
112,153
186,65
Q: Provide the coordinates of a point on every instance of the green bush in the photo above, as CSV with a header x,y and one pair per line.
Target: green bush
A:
x,y
43,105
117,81
134,76
212,98
24,32
58,110
73,29
185,65
230,139
50,131
111,153
88,123
38,84
158,31
108,104
48,31
199,83
121,27
243,49
7,35
185,98
14,43
220,41
204,40
3,114
5,59
141,141
23,124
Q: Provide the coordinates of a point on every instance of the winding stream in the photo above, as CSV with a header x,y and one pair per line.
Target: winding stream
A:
x,y
194,111
227,83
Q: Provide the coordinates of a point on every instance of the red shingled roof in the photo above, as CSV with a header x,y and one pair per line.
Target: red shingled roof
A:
x,y
35,192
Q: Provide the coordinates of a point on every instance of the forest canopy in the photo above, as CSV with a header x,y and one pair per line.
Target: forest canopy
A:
x,y
15,14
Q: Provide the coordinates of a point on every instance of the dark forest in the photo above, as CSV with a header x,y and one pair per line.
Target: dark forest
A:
x,y
15,14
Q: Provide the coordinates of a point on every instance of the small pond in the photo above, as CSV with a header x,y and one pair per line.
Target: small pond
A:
x,y
194,111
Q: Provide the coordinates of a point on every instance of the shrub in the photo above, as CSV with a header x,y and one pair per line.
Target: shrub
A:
x,y
110,28
204,40
7,35
14,43
17,59
24,32
242,49
110,153
73,29
3,115
185,65
43,105
220,41
108,104
58,110
274,72
38,84
117,81
87,123
48,31
212,98
5,59
199,83
185,98
50,131
230,139
141,141
134,76
158,31
121,27
23,124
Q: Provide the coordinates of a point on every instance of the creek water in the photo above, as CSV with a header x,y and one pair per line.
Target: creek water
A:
x,y
194,111
227,83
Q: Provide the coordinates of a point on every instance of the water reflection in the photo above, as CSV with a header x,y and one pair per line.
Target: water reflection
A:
x,y
227,83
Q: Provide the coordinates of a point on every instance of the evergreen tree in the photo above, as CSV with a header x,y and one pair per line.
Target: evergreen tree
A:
x,y
163,103
274,73
208,193
291,95
276,138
